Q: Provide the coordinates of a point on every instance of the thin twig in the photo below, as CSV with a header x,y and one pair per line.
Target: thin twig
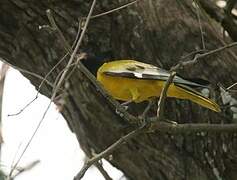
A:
x,y
163,126
51,70
79,58
113,10
192,53
161,102
15,154
147,109
210,21
200,25
26,168
22,109
44,79
58,84
231,86
217,50
102,171
55,28
108,151
64,57
29,142
40,86
75,50
200,56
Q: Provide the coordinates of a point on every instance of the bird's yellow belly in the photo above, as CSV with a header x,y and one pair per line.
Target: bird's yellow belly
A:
x,y
127,89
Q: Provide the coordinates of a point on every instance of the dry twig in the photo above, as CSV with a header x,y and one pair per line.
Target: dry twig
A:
x,y
108,151
200,24
114,10
60,34
26,168
200,56
163,95
102,171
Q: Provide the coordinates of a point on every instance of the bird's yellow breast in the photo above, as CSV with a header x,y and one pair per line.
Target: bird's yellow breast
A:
x,y
126,89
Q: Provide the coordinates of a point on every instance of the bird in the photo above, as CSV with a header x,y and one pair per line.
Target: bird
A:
x,y
131,80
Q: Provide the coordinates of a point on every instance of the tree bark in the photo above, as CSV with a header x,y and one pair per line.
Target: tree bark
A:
x,y
159,32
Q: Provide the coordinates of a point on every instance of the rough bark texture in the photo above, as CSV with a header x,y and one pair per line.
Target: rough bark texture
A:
x,y
154,31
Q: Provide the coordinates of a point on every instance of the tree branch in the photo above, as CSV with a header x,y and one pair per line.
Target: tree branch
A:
x,y
165,127
103,171
60,34
200,56
160,126
163,95
114,10
26,168
108,151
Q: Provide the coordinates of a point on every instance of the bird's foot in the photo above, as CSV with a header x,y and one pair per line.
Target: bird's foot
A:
x,y
124,106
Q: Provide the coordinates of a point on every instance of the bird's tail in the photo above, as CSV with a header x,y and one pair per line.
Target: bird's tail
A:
x,y
185,92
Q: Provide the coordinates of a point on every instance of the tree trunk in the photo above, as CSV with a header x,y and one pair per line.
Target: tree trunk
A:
x,y
159,32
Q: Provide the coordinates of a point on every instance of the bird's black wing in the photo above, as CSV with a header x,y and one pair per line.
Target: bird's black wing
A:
x,y
148,72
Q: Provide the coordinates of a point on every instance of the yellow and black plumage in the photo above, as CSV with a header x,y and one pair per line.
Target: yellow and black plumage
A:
x,y
129,80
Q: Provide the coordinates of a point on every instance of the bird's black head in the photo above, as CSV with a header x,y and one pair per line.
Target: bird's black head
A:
x,y
93,62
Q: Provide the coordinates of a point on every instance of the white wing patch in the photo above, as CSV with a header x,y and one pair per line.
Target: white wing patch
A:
x,y
138,75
